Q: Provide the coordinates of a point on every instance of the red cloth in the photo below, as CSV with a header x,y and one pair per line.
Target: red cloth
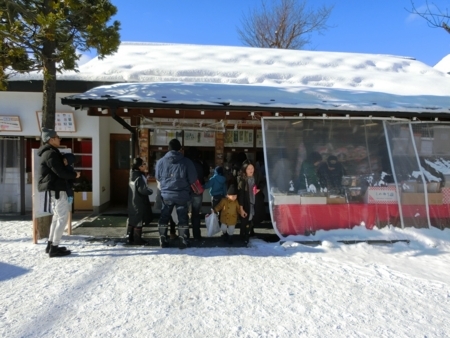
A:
x,y
296,219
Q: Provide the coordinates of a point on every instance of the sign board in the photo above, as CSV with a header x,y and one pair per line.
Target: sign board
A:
x,y
10,123
64,121
259,138
163,137
381,195
199,138
239,138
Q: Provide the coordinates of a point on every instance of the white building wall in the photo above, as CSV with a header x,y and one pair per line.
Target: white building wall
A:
x,y
25,105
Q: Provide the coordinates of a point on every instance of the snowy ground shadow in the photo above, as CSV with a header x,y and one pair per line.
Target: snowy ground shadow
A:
x,y
8,271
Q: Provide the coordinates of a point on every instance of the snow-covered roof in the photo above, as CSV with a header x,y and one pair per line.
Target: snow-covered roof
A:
x,y
444,65
292,78
264,97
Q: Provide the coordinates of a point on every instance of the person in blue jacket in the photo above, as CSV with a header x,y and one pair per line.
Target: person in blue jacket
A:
x,y
175,173
217,186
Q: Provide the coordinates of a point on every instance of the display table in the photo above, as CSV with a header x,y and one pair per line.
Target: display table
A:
x,y
298,219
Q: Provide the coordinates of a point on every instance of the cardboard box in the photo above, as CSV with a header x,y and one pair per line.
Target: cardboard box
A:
x,y
381,195
286,199
82,200
419,198
313,200
336,200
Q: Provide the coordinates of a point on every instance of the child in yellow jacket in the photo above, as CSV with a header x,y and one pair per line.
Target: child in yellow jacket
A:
x,y
229,210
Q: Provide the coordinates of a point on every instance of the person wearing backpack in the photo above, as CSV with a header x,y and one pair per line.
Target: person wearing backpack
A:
x,y
217,186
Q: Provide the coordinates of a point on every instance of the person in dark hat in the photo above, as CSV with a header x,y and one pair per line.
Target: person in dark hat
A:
x,y
139,207
330,174
175,174
229,210
52,180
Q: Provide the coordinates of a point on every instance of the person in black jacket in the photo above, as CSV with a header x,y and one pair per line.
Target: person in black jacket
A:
x,y
330,174
251,199
139,207
52,180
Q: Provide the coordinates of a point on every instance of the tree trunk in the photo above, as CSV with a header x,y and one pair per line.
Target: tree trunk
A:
x,y
49,86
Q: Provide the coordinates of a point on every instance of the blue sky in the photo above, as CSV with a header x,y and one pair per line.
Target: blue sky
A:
x,y
361,26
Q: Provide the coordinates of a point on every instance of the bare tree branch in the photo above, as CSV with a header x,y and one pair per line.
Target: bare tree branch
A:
x,y
286,24
434,16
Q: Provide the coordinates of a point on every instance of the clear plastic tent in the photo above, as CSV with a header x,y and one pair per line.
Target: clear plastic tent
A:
x,y
325,173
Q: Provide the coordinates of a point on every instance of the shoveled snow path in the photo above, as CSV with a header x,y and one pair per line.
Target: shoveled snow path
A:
x,y
266,290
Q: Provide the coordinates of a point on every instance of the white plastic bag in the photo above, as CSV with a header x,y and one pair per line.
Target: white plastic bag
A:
x,y
212,224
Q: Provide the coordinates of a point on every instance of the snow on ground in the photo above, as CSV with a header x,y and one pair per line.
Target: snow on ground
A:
x,y
266,290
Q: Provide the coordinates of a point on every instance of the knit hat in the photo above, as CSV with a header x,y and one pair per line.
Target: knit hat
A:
x,y
47,134
174,144
219,171
232,190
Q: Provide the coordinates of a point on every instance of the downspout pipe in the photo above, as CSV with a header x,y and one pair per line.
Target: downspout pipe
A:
x,y
130,129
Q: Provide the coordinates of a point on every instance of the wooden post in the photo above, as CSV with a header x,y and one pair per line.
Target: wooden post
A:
x,y
35,235
43,226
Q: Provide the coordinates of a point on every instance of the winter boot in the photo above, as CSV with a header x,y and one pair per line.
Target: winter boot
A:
x,y
137,236
55,251
163,236
183,234
225,236
247,233
130,234
49,244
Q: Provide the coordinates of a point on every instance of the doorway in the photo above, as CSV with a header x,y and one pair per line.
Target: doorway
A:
x,y
120,164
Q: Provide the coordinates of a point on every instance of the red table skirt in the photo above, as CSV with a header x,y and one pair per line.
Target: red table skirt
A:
x,y
298,219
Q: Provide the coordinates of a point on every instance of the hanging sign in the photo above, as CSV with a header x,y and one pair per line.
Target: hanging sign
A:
x,y
259,138
239,138
10,123
163,137
199,138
